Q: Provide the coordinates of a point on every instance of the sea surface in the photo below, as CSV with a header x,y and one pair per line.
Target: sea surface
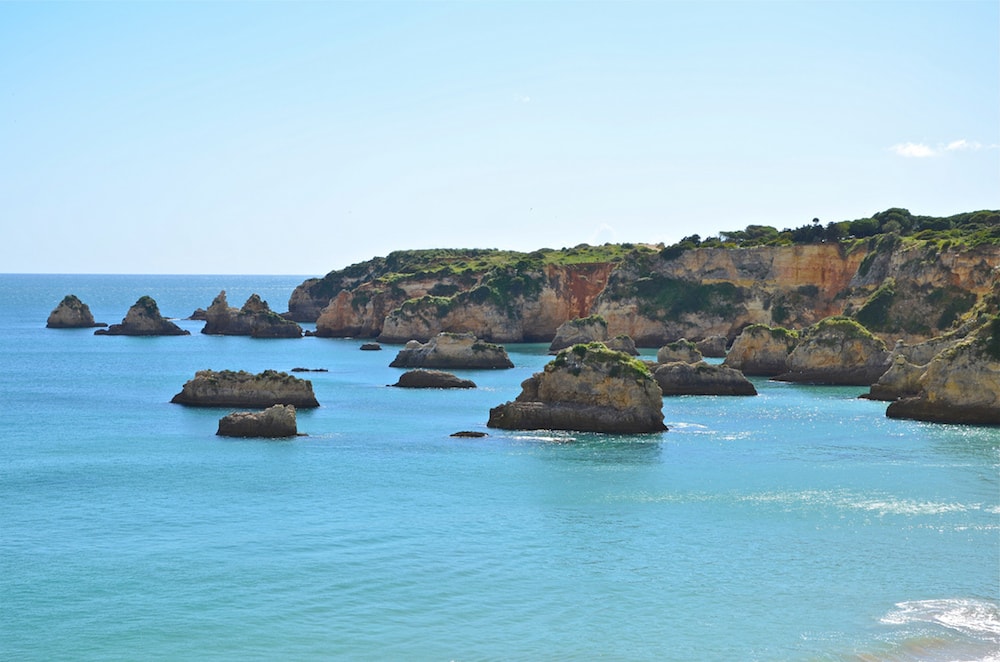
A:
x,y
799,525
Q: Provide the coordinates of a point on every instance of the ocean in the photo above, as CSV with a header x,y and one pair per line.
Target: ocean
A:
x,y
798,525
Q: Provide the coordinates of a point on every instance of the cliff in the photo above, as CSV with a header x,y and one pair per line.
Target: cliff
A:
x,y
910,286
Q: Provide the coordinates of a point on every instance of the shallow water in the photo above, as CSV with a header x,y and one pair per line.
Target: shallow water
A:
x,y
797,525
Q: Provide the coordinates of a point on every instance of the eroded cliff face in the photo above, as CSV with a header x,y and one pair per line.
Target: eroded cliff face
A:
x,y
899,289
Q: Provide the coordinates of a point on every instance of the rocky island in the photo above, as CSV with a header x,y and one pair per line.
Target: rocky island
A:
x,y
227,388
586,388
71,313
452,350
275,422
143,319
254,319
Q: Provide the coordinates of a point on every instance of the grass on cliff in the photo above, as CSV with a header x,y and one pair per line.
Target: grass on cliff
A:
x,y
597,355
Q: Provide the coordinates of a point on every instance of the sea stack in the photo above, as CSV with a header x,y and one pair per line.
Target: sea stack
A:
x,y
143,319
71,313
243,389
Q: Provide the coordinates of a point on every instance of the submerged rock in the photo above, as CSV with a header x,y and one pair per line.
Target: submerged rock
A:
x,y
452,350
371,347
275,422
469,434
586,388
762,350
243,389
680,378
837,350
432,379
71,313
143,319
254,319
961,384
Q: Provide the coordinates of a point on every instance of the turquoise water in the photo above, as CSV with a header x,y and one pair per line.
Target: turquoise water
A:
x,y
798,525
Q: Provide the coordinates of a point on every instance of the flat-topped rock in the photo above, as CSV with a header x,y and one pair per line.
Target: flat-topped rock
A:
x,y
837,350
71,313
452,351
275,422
143,319
586,388
432,379
227,388
762,350
700,378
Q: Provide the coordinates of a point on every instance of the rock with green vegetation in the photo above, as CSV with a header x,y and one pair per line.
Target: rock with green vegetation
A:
x,y
255,319
580,330
762,350
421,378
143,319
452,351
679,350
961,384
227,388
586,388
622,343
277,422
837,350
71,313
700,378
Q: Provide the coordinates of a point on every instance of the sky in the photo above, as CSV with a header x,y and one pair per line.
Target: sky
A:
x,y
302,137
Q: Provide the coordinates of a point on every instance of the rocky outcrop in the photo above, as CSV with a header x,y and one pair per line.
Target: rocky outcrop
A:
x,y
961,384
679,350
255,319
901,380
713,346
243,389
432,379
371,347
762,350
143,319
700,378
452,350
837,350
586,388
71,313
274,422
580,330
622,343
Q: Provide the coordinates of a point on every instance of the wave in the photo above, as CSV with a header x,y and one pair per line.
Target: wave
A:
x,y
979,619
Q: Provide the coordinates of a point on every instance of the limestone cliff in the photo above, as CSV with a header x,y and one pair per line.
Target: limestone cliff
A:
x,y
586,388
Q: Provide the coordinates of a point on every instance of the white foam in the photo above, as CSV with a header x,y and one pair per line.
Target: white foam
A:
x,y
976,618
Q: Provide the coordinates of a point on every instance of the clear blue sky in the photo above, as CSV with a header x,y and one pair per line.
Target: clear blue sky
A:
x,y
297,138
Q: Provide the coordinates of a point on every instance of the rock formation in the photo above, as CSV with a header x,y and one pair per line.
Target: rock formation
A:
x,y
679,350
143,319
713,346
622,343
837,350
255,319
762,350
452,350
274,422
580,330
243,389
901,380
700,378
371,347
432,379
586,388
961,384
71,313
